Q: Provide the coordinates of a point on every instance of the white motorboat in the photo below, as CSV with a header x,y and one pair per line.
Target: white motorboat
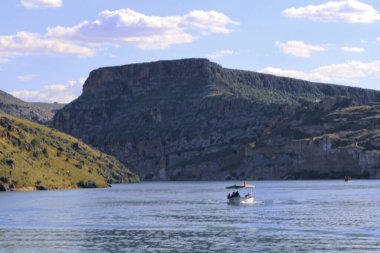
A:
x,y
236,199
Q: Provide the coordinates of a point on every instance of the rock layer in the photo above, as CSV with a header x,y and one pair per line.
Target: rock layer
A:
x,y
318,142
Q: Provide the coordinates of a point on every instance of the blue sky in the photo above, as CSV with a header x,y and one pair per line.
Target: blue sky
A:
x,y
48,47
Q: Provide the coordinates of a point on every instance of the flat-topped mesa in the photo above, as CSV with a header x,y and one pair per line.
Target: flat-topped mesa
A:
x,y
197,76
190,119
137,79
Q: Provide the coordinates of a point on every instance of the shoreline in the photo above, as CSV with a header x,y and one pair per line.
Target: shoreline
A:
x,y
34,188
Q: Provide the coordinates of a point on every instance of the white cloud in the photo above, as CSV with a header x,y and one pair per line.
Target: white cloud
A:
x,y
116,28
220,54
378,39
41,3
347,11
126,26
207,21
25,43
299,48
352,49
347,72
61,93
26,78
294,74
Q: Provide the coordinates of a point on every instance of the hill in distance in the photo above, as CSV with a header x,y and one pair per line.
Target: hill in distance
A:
x,y
35,156
39,112
192,119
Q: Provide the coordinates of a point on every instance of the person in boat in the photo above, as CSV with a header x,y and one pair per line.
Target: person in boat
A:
x,y
229,196
237,194
347,178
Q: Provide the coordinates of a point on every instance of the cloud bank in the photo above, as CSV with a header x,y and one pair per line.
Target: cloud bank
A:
x,y
114,28
346,11
346,72
128,27
25,43
61,93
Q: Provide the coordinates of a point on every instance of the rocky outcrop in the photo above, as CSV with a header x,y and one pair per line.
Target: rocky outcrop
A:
x,y
3,187
42,188
318,142
192,119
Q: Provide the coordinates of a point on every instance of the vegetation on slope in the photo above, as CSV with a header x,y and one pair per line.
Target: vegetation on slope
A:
x,y
356,126
327,140
346,124
35,156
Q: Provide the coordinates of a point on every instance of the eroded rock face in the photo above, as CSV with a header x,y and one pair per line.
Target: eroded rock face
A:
x,y
192,119
316,142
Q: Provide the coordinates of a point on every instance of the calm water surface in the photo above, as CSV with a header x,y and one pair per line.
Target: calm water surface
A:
x,y
288,216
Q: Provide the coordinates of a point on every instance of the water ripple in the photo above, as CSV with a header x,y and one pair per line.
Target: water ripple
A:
x,y
302,216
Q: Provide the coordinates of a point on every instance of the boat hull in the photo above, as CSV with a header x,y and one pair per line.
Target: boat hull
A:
x,y
240,200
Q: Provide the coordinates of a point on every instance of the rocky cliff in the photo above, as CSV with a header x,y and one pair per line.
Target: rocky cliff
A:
x,y
193,119
327,140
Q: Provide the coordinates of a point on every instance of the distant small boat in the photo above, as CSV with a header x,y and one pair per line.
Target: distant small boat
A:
x,y
235,197
347,178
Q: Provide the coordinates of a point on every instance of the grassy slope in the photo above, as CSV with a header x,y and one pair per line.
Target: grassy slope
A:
x,y
41,155
357,126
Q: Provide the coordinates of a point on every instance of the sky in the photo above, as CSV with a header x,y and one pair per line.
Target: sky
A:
x,y
48,47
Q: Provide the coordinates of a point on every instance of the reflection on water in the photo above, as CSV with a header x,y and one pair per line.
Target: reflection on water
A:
x,y
301,216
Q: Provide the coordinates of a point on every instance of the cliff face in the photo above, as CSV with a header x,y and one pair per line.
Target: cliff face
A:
x,y
327,140
188,119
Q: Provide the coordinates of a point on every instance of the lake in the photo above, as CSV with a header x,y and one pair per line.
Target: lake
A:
x,y
287,216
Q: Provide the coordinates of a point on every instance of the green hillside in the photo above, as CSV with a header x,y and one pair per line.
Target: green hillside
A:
x,y
32,155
